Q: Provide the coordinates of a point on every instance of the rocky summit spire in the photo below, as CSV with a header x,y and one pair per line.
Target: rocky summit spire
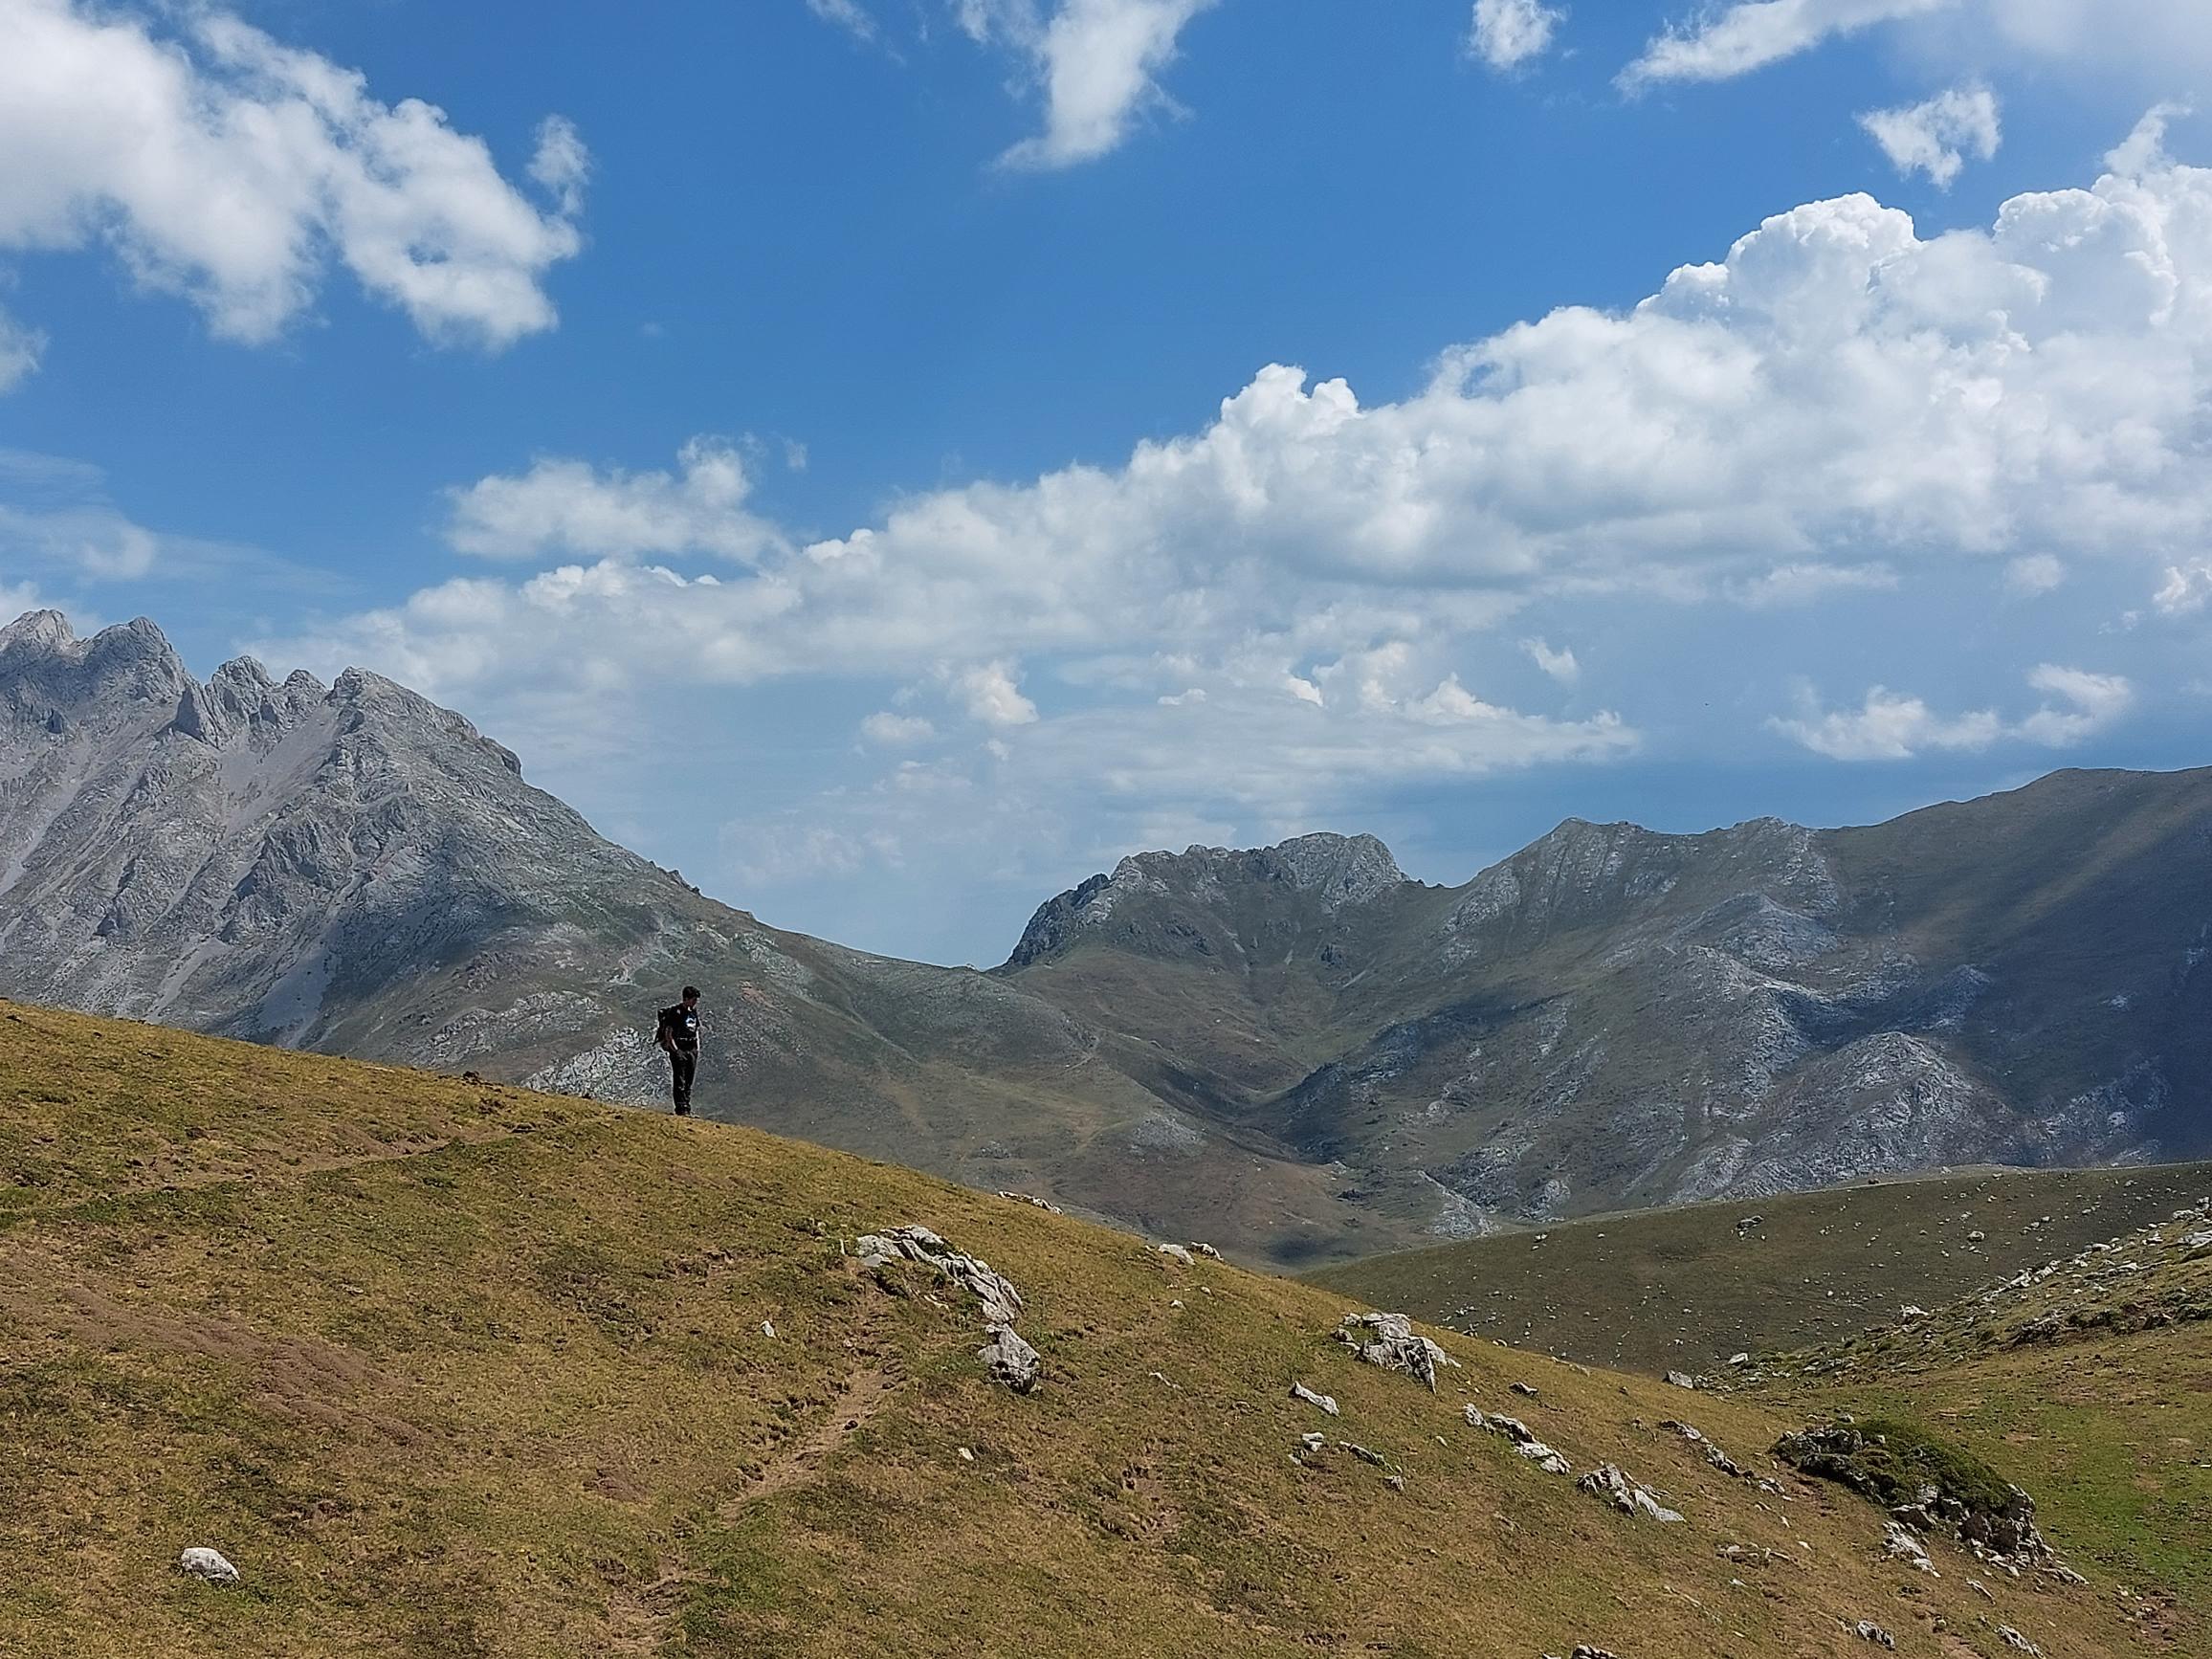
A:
x,y
39,632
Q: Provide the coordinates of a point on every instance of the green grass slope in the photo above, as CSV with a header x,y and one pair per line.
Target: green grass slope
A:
x,y
2089,1378
1684,1289
451,1370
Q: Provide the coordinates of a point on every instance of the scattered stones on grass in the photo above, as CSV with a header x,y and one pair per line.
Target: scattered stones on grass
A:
x,y
1609,1482
1175,1253
1900,1543
1045,1204
1523,1438
2013,1639
1719,1458
1867,1631
209,1566
1326,1403
1390,1342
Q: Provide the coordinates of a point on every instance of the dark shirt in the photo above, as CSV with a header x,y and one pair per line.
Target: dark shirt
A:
x,y
681,1026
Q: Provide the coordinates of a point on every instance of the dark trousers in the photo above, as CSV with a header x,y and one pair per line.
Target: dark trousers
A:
x,y
682,1064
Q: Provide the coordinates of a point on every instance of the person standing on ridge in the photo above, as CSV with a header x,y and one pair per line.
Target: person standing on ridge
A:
x,y
679,1036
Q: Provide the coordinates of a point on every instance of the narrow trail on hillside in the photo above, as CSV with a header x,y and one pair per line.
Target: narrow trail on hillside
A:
x,y
865,1393
640,1620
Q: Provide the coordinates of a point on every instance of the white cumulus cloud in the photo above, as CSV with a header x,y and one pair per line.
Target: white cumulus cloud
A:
x,y
992,694
225,166
1506,34
1892,726
571,507
1935,138
2186,589
1837,408
2034,573
1096,61
1561,664
20,350
887,730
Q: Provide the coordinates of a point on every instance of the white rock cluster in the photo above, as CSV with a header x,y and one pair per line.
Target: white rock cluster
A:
x,y
1005,1355
1390,1342
1523,1438
1609,1482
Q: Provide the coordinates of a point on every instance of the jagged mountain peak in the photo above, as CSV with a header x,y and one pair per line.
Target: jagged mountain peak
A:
x,y
1332,873
38,630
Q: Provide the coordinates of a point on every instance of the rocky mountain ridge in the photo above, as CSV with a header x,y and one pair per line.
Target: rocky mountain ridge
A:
x,y
1619,1016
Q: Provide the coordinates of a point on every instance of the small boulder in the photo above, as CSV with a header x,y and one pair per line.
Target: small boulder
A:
x,y
1900,1543
1681,1380
1867,1631
1175,1253
1326,1403
2014,1640
1009,1359
210,1565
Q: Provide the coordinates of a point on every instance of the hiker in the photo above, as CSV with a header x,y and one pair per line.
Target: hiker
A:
x,y
679,1035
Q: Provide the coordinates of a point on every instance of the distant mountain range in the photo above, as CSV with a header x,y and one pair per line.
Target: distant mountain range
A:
x,y
1295,1052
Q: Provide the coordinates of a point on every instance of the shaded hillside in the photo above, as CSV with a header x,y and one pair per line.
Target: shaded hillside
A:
x,y
463,1370
1617,1017
350,867
1688,1288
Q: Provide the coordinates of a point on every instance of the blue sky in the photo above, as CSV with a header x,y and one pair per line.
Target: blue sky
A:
x,y
857,451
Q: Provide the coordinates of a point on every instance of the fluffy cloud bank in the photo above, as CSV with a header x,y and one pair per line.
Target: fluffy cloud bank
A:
x,y
224,167
1309,590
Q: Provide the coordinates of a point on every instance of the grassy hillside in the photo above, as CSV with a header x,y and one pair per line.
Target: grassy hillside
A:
x,y
1684,1289
451,1370
2092,1382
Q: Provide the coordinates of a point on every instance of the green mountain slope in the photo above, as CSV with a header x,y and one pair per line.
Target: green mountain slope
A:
x,y
2086,1375
455,1370
1686,1288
